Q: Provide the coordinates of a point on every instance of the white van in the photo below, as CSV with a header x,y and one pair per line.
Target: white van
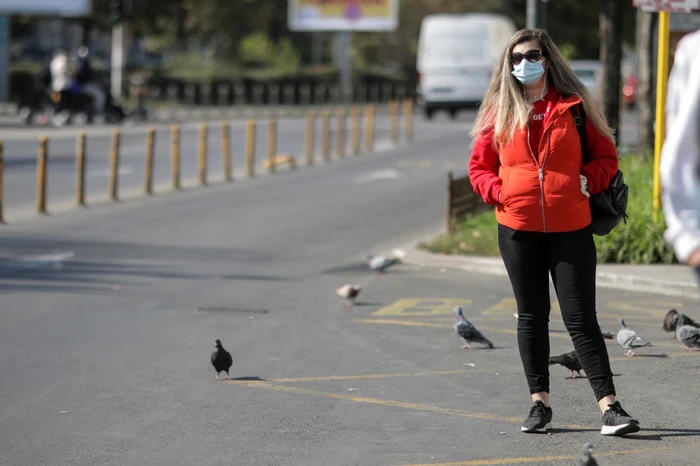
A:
x,y
456,56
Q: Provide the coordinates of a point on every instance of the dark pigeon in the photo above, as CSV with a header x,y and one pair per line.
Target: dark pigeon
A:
x,y
466,330
671,320
221,360
587,458
568,360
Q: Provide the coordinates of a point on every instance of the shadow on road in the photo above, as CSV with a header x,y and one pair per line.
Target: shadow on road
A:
x,y
49,264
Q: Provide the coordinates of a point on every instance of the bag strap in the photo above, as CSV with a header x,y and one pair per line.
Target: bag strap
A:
x,y
580,121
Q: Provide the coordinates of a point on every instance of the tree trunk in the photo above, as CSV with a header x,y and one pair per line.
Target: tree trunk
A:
x,y
645,90
611,58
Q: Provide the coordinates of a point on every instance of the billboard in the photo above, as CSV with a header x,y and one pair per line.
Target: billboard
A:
x,y
46,7
343,15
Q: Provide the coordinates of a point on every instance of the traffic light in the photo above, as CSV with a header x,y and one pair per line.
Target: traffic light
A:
x,y
121,9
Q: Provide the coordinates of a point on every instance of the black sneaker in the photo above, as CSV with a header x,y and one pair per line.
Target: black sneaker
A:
x,y
617,422
538,419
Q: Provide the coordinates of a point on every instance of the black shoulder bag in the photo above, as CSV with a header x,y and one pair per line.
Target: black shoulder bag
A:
x,y
609,207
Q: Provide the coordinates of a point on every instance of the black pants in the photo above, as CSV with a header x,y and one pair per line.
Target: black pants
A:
x,y
570,257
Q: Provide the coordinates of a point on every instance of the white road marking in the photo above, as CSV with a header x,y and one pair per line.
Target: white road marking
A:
x,y
123,171
31,262
376,176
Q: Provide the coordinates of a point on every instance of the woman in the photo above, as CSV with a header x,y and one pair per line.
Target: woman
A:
x,y
527,161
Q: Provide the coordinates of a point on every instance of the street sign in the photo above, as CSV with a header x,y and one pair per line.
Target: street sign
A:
x,y
355,15
669,6
46,7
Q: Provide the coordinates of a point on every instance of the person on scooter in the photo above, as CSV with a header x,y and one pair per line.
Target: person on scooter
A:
x,y
84,77
59,71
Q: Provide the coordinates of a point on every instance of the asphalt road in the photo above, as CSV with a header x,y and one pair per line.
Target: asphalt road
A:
x,y
21,147
108,315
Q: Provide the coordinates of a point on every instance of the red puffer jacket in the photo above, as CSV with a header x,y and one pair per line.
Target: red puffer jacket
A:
x,y
539,188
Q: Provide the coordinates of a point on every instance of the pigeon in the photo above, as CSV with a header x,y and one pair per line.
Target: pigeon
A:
x,y
587,459
628,338
380,264
221,360
466,330
687,333
349,293
671,319
607,335
570,361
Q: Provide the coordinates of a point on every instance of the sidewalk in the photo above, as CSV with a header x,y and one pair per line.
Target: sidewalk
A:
x,y
672,280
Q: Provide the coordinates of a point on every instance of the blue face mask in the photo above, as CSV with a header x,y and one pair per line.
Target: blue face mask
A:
x,y
528,72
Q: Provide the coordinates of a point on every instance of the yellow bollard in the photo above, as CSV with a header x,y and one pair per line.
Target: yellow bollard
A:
x,y
326,136
148,168
394,121
408,118
41,167
661,85
226,151
202,154
310,137
355,131
250,148
80,170
175,157
2,170
271,144
114,166
340,140
369,128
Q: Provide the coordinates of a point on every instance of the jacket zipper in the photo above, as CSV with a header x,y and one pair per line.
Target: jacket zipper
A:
x,y
540,171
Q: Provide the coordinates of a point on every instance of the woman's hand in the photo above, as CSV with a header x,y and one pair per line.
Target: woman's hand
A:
x,y
584,186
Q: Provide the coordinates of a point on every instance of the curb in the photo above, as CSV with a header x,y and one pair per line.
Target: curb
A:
x,y
604,278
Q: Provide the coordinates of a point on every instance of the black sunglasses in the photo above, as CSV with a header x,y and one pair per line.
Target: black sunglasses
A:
x,y
530,55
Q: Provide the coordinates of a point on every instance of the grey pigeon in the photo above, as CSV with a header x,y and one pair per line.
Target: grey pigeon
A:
x,y
628,338
607,335
221,359
380,264
587,458
349,293
686,333
466,330
568,360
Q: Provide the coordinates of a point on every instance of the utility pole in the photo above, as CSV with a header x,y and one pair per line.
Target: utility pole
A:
x,y
120,8
535,14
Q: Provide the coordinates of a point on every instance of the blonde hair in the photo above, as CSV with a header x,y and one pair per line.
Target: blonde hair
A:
x,y
505,108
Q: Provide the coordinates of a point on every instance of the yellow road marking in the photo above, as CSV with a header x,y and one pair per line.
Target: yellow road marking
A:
x,y
506,307
652,309
425,163
542,459
392,403
370,376
421,307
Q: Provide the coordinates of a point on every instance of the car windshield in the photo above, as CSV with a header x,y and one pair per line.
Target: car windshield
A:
x,y
585,73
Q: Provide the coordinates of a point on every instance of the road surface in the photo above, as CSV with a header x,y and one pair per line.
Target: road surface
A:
x,y
108,315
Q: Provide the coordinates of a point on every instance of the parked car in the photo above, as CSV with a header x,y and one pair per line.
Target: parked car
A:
x,y
588,71
456,53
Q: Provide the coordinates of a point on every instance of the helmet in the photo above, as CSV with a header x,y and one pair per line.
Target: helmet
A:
x,y
82,51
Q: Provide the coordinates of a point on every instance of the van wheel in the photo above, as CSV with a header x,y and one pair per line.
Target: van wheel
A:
x,y
428,113
453,113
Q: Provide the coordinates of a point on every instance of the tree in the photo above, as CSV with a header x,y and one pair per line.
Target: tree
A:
x,y
611,58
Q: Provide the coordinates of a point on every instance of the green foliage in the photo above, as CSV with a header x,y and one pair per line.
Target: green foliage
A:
x,y
639,241
257,49
476,235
